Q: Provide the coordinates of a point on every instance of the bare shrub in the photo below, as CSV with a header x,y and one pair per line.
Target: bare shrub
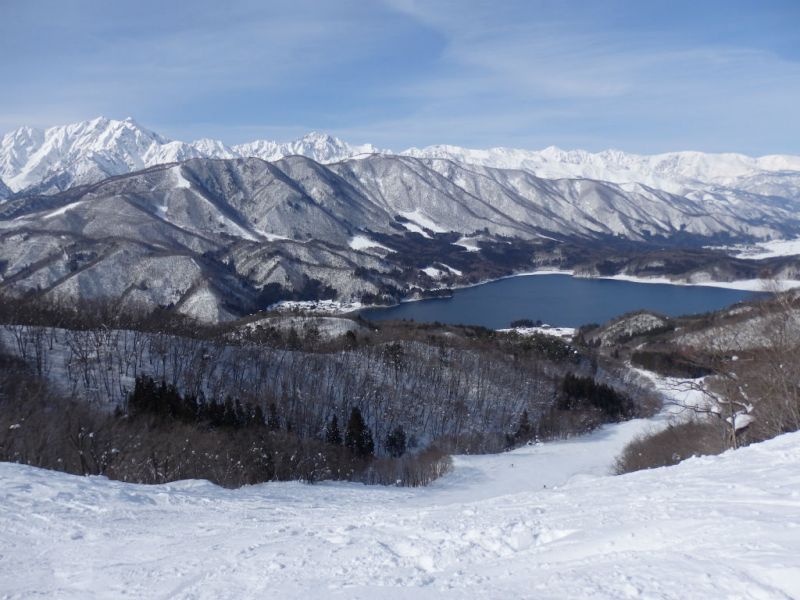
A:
x,y
412,470
670,446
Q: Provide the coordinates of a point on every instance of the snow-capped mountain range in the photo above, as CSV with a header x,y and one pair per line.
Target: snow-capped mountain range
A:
x,y
108,209
684,173
57,158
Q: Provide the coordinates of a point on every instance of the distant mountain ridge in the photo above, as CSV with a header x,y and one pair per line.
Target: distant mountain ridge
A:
x,y
222,238
675,172
57,158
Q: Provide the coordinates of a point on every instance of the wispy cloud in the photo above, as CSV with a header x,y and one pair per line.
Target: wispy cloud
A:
x,y
712,75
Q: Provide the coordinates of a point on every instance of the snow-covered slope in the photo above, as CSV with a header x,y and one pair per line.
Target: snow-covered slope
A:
x,y
54,159
276,222
543,522
675,172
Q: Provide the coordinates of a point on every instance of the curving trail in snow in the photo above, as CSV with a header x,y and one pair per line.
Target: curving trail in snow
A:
x,y
717,527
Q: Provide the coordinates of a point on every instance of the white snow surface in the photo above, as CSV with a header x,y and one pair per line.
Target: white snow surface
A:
x,y
362,242
90,151
53,159
750,285
769,249
470,244
421,219
64,209
317,307
545,521
674,172
560,332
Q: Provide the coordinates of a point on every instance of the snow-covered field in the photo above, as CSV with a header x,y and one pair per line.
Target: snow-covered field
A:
x,y
763,250
316,307
561,332
545,521
749,285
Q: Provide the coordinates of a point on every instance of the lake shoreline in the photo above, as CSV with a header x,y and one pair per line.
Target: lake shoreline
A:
x,y
333,307
569,300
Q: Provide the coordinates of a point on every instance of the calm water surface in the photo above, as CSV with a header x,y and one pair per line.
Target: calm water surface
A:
x,y
559,300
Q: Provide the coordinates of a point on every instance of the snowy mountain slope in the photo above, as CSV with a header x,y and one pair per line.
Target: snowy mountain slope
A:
x,y
278,222
58,158
46,161
713,527
675,172
5,191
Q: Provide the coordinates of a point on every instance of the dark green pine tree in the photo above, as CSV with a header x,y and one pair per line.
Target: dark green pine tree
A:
x,y
229,414
524,431
333,435
358,437
395,443
259,420
143,398
272,419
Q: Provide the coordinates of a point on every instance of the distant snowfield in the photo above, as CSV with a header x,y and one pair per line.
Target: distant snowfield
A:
x,y
545,521
750,285
362,242
770,249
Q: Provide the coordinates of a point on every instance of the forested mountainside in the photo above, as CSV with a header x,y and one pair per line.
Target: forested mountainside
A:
x,y
414,387
220,238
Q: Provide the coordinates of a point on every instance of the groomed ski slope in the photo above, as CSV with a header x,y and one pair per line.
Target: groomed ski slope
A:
x,y
715,527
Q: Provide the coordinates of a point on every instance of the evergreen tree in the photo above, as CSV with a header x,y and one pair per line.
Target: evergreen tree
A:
x,y
259,420
293,339
143,398
395,443
229,415
358,437
333,435
524,430
272,420
241,416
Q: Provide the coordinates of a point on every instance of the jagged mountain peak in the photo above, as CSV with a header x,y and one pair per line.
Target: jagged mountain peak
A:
x,y
676,172
53,159
56,158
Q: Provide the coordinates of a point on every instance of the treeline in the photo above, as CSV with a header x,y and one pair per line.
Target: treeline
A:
x,y
743,367
165,403
584,393
469,391
462,389
158,442
83,315
669,362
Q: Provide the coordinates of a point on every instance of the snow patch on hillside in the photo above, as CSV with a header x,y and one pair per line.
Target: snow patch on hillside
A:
x,y
470,244
362,242
181,182
770,249
319,307
750,285
419,218
566,333
63,210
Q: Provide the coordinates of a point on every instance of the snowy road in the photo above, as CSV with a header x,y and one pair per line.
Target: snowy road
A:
x,y
721,527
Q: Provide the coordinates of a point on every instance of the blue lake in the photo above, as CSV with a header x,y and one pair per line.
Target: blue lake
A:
x,y
559,300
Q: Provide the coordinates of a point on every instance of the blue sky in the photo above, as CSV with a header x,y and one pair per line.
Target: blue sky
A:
x,y
643,76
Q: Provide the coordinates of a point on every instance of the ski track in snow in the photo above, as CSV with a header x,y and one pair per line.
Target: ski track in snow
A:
x,y
545,521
